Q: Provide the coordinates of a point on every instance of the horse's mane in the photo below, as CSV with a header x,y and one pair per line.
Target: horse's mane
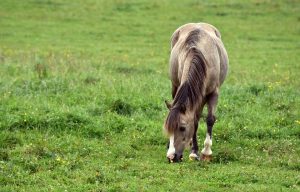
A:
x,y
190,91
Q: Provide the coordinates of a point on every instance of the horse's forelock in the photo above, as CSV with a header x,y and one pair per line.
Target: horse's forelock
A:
x,y
172,121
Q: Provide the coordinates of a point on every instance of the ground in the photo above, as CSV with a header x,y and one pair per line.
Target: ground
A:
x,y
83,85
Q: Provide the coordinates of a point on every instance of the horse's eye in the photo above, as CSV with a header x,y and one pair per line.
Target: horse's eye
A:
x,y
182,129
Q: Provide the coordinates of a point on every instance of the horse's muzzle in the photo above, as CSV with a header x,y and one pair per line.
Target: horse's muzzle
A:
x,y
176,159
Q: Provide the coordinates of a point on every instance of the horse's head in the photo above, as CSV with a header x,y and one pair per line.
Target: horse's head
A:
x,y
179,125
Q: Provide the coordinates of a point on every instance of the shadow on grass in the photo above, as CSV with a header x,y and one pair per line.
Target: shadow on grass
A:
x,y
60,122
224,156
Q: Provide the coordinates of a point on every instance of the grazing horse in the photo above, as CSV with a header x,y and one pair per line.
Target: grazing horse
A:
x,y
198,67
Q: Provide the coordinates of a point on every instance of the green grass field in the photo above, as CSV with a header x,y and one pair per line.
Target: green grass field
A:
x,y
83,84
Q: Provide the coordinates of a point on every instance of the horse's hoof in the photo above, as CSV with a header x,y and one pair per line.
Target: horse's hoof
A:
x,y
194,157
206,157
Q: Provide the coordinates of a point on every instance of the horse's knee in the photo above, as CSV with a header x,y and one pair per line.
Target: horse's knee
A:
x,y
210,120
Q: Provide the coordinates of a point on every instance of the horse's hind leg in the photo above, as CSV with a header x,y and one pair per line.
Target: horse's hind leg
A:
x,y
212,101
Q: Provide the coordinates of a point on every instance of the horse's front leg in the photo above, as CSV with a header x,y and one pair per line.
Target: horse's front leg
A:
x,y
194,155
212,101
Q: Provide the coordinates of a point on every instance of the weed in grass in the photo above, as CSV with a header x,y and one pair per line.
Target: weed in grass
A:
x,y
225,155
9,141
91,80
4,156
121,107
41,70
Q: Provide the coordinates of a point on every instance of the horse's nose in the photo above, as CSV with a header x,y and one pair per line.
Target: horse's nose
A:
x,y
175,159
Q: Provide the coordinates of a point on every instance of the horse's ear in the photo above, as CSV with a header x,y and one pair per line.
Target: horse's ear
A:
x,y
182,109
169,106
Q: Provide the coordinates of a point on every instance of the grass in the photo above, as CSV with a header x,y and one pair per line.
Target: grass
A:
x,y
83,85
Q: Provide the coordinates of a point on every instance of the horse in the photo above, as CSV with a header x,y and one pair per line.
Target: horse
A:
x,y
198,67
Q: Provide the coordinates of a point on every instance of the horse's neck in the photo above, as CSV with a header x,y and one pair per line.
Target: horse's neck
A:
x,y
197,108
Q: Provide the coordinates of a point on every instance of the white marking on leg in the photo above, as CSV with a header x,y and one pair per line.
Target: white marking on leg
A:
x,y
207,145
193,156
171,150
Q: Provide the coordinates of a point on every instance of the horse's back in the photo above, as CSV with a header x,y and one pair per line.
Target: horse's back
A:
x,y
209,43
184,30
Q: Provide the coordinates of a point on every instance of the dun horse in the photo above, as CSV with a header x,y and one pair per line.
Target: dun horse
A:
x,y
198,67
